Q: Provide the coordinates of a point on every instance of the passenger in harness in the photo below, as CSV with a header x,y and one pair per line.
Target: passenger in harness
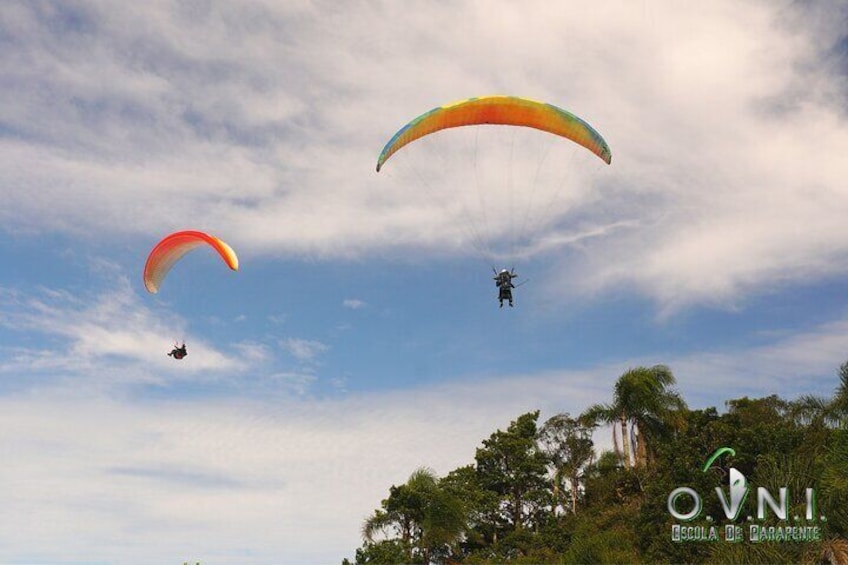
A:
x,y
178,352
503,281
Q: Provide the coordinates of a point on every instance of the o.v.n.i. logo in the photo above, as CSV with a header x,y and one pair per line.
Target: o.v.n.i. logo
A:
x,y
732,503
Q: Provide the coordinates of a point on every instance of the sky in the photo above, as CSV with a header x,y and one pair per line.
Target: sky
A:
x,y
361,337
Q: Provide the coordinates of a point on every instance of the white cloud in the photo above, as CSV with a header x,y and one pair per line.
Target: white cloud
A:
x,y
290,479
726,123
255,482
102,334
739,171
303,349
276,319
789,366
295,382
253,352
353,303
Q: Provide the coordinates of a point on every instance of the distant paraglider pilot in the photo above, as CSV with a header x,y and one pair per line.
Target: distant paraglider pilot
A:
x,y
503,281
178,352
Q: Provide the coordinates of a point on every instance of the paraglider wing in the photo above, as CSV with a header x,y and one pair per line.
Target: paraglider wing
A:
x,y
172,248
500,110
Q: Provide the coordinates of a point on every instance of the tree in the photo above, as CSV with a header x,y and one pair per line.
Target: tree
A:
x,y
426,517
511,465
568,445
500,508
643,401
480,506
383,552
817,410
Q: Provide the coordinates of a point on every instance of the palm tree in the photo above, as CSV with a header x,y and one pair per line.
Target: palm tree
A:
x,y
816,410
643,400
427,517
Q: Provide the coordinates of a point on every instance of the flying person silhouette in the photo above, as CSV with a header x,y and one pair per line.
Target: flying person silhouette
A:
x,y
503,281
178,352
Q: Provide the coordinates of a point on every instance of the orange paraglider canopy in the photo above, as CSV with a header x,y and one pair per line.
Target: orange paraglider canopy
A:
x,y
500,110
172,248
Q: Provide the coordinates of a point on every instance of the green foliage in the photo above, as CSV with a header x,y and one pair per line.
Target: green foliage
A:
x,y
425,518
567,443
608,537
385,552
511,465
833,485
754,553
644,411
514,503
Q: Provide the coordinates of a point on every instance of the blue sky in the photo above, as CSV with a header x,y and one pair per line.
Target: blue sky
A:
x,y
361,337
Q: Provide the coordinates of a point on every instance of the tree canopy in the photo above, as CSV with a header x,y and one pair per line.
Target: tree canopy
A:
x,y
541,494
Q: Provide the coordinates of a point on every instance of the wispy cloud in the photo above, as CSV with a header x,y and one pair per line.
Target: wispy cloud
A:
x,y
353,303
254,352
326,463
297,382
90,468
303,349
94,333
802,363
106,111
